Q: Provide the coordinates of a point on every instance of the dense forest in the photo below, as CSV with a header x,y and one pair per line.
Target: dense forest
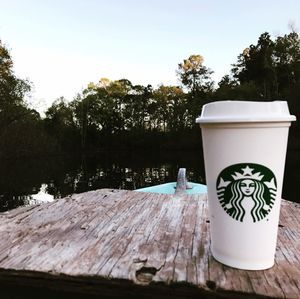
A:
x,y
118,115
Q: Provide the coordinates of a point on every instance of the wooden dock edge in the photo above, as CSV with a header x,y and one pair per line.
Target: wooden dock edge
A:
x,y
146,278
23,284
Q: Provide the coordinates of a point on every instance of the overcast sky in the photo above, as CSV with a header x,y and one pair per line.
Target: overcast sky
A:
x,y
62,45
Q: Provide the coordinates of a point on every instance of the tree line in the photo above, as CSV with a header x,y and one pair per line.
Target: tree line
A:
x,y
121,115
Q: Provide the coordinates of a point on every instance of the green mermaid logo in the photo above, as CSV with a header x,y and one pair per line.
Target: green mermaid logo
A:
x,y
244,183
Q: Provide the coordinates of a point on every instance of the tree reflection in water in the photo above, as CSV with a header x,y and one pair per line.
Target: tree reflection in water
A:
x,y
32,181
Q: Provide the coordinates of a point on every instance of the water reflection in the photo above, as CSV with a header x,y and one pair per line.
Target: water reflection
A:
x,y
42,196
36,181
25,182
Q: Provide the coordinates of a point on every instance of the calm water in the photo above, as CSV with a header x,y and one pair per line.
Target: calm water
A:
x,y
30,181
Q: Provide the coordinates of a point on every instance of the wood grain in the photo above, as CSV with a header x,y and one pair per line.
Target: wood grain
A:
x,y
108,241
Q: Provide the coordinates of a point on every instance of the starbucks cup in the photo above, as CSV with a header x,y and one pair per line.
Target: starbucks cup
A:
x,y
244,145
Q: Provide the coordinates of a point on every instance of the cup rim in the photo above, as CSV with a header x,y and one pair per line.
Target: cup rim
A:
x,y
211,120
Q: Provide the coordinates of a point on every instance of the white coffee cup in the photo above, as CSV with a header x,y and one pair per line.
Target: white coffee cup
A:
x,y
244,146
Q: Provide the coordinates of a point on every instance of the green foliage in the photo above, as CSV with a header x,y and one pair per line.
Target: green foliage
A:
x,y
232,91
111,111
170,110
197,79
272,66
21,128
117,114
12,89
194,75
60,124
287,59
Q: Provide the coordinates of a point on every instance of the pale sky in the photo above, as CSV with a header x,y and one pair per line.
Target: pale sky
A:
x,y
62,45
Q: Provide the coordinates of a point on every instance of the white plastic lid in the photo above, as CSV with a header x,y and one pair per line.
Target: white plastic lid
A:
x,y
245,111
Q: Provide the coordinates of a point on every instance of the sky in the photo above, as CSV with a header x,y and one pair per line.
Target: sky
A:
x,y
62,45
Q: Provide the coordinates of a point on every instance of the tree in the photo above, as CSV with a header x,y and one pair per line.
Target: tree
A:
x,y
272,66
6,63
60,123
287,59
102,104
21,129
12,91
256,64
194,75
197,78
170,114
227,81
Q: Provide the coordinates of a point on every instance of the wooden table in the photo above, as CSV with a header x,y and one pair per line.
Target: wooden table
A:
x,y
117,243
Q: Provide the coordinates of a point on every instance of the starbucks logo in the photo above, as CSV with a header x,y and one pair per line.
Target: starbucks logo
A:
x,y
241,184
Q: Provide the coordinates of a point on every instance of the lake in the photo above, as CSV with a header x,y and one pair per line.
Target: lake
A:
x,y
30,181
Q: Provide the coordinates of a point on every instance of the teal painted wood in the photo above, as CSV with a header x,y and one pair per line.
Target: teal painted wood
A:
x,y
169,188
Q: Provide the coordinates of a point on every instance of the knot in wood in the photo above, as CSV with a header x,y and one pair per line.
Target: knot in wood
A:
x,y
145,274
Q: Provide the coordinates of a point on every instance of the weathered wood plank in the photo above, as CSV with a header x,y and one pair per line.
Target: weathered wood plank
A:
x,y
147,242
